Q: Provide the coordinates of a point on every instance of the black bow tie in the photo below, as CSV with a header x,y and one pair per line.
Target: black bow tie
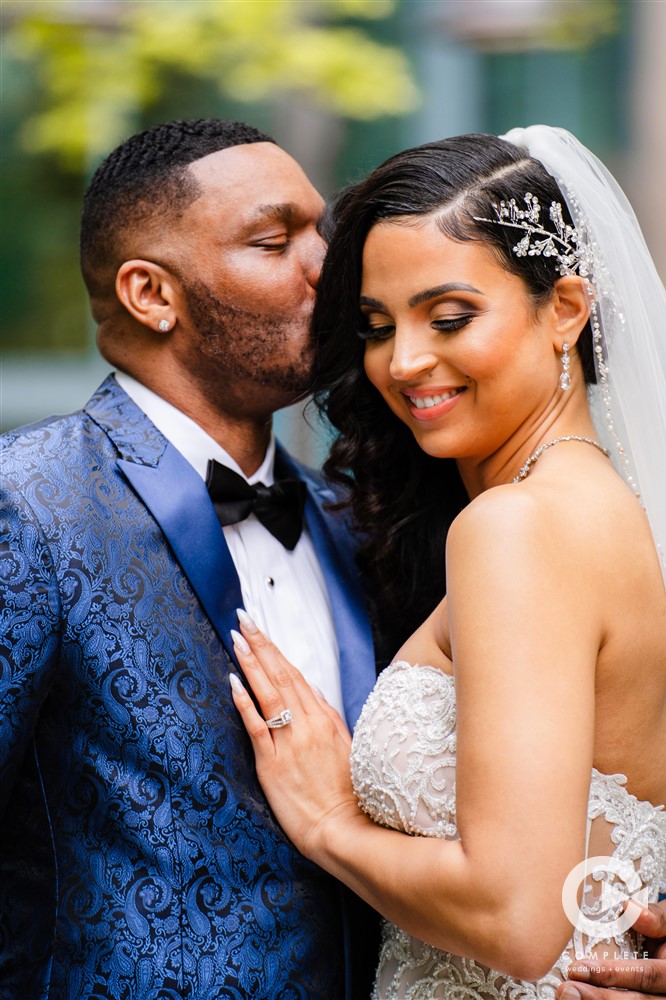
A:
x,y
278,507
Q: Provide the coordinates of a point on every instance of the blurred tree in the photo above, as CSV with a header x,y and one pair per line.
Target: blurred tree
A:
x,y
78,76
100,64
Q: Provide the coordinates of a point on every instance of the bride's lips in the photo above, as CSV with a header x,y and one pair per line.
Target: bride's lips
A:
x,y
428,404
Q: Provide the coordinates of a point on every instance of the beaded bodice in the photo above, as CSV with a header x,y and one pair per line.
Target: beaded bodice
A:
x,y
403,770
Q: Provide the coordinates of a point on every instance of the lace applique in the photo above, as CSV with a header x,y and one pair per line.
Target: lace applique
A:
x,y
404,758
639,827
636,834
403,771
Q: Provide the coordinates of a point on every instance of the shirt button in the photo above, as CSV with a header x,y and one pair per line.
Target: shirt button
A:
x,y
270,582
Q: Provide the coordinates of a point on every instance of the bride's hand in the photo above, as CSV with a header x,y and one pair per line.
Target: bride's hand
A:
x,y
303,766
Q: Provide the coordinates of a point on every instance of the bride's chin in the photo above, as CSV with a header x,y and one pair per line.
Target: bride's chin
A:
x,y
435,442
429,444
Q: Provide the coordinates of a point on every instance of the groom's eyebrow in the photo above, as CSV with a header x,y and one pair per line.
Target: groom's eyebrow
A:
x,y
284,212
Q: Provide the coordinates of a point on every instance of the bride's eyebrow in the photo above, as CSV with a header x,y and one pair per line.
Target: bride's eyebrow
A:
x,y
451,286
428,293
365,300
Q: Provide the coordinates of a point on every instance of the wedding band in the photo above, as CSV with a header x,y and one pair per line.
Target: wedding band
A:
x,y
278,721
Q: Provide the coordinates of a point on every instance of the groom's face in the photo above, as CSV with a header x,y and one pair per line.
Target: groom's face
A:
x,y
249,258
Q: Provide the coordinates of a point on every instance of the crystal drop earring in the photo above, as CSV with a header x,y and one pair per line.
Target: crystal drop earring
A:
x,y
565,378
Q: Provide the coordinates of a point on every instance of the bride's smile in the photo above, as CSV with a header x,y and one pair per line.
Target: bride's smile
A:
x,y
460,349
431,402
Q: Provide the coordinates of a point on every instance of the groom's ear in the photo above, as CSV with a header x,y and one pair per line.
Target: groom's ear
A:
x,y
148,292
570,309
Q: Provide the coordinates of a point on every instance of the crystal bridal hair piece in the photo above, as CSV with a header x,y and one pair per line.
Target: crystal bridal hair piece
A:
x,y
628,306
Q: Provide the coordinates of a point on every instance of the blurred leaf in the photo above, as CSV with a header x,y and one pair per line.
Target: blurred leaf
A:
x,y
578,25
356,8
101,63
370,84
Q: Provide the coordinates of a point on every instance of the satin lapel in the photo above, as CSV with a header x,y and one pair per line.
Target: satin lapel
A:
x,y
178,500
333,546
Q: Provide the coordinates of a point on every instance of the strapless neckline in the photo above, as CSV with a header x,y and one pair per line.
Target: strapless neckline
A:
x,y
617,776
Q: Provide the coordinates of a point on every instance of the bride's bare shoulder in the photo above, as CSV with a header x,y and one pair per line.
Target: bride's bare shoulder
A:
x,y
589,517
500,516
584,542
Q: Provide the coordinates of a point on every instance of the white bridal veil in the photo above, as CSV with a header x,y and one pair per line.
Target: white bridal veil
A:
x,y
628,316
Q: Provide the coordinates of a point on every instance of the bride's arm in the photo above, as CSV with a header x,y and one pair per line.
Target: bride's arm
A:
x,y
525,635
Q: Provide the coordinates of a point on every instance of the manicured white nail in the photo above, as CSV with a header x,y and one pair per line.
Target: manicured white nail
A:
x,y
239,642
236,684
245,620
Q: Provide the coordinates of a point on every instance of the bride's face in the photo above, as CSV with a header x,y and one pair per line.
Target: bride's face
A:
x,y
455,344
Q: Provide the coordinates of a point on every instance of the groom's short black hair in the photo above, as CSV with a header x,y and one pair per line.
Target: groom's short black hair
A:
x,y
146,178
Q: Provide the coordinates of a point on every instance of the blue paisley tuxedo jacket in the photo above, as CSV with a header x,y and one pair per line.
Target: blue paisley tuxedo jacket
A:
x,y
138,857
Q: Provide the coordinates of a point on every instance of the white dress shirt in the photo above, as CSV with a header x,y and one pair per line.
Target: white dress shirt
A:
x,y
285,592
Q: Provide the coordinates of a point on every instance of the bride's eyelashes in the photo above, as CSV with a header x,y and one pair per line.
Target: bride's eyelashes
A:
x,y
385,331
453,324
375,332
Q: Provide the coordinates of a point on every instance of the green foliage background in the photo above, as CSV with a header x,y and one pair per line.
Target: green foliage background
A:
x,y
78,77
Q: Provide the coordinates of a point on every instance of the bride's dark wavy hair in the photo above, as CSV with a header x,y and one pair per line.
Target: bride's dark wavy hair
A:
x,y
403,500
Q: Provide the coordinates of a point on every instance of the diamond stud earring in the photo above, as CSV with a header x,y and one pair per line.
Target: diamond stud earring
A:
x,y
164,325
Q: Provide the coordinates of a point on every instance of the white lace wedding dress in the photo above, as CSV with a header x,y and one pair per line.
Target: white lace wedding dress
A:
x,y
403,769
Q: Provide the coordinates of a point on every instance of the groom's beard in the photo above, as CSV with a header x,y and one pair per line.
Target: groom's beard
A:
x,y
272,349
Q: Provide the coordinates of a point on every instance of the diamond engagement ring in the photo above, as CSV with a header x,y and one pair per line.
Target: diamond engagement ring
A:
x,y
278,721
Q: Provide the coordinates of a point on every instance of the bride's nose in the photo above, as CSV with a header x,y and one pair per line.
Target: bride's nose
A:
x,y
412,356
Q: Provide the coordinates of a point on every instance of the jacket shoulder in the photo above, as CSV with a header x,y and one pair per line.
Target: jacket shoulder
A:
x,y
41,441
40,431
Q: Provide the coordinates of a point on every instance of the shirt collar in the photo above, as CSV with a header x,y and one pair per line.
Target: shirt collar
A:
x,y
188,437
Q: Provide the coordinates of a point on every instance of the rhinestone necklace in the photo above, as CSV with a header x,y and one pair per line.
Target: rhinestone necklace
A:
x,y
536,455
